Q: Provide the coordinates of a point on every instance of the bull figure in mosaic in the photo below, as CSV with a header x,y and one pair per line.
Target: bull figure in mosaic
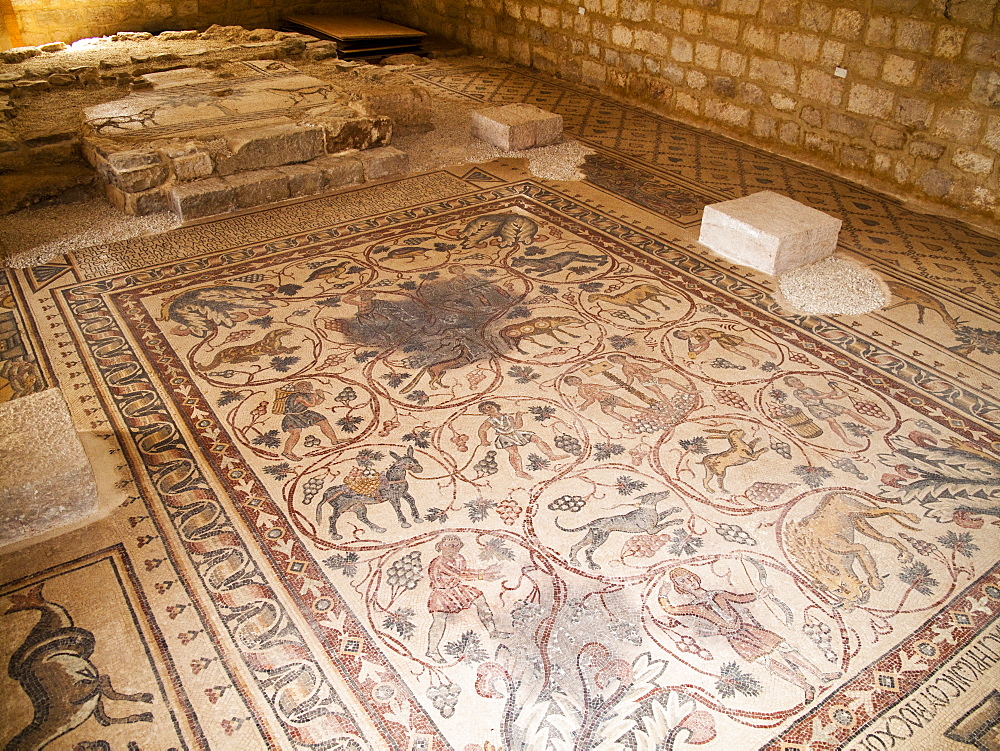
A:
x,y
53,667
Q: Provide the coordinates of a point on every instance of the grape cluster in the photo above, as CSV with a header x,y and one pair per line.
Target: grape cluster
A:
x,y
799,358
688,644
488,465
567,503
870,408
523,612
735,533
921,546
405,572
251,278
732,399
766,492
782,448
569,444
644,546
444,698
819,634
508,510
309,490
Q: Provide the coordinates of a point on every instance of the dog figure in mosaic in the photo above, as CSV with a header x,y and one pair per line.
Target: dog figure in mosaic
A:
x,y
824,546
53,667
642,520
392,487
556,263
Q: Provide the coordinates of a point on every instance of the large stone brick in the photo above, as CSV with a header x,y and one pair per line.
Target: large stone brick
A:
x,y
869,100
769,232
303,179
258,187
46,480
202,198
260,148
384,162
515,127
135,171
341,170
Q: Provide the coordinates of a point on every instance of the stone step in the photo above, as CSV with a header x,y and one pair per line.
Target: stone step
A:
x,y
200,145
211,196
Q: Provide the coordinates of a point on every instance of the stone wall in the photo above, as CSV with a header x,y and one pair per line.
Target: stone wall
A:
x,y
42,21
917,115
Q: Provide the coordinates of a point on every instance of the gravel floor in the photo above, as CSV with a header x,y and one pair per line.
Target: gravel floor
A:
x,y
833,286
35,235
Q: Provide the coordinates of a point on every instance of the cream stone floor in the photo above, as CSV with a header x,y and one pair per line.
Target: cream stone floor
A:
x,y
473,459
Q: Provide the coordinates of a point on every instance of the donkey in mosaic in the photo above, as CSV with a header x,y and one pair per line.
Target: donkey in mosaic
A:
x,y
392,487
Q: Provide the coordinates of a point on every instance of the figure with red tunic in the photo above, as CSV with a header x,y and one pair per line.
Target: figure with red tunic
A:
x,y
449,595
719,612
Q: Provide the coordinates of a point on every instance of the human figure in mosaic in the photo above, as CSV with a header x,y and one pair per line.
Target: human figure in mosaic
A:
x,y
634,371
822,406
701,338
719,612
608,401
449,595
299,416
510,435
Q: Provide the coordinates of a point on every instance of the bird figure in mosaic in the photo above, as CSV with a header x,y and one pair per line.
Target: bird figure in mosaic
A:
x,y
201,311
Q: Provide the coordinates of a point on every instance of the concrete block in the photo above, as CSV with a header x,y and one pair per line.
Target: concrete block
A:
x,y
202,198
258,187
46,480
339,170
515,127
386,161
261,148
303,179
769,232
135,171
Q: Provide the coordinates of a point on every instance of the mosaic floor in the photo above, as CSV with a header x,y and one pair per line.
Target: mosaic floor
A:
x,y
474,461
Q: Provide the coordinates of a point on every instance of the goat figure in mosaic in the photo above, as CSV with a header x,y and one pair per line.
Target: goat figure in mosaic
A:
x,y
357,494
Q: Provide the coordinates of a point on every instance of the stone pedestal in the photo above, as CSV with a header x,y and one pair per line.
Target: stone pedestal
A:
x,y
515,127
46,481
769,232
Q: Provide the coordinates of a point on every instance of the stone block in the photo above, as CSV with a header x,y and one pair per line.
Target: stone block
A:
x,y
53,47
769,232
515,127
403,105
135,171
46,480
384,162
258,187
19,54
341,169
151,201
202,198
188,162
261,148
303,179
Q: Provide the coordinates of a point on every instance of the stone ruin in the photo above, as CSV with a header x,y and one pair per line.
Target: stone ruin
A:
x,y
198,123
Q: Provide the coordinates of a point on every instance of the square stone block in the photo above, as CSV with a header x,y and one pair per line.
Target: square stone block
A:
x,y
769,232
200,198
385,161
46,480
515,127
